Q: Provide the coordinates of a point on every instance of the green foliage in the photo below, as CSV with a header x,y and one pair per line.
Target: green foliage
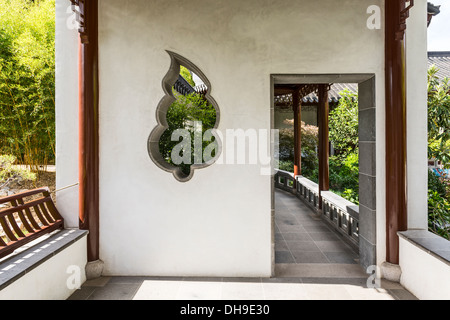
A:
x,y
439,149
344,176
438,118
310,139
286,166
344,134
286,143
10,173
186,74
27,81
438,214
181,115
344,131
310,142
436,184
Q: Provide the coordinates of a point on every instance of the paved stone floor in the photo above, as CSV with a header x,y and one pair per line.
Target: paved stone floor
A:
x,y
312,263
303,237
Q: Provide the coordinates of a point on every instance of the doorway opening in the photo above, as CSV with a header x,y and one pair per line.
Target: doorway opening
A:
x,y
324,199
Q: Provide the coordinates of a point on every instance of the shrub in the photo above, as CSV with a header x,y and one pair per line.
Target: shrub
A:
x,y
286,166
438,214
310,139
10,174
344,127
435,184
181,115
344,176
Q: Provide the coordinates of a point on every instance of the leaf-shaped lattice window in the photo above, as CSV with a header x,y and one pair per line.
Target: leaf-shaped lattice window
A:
x,y
185,138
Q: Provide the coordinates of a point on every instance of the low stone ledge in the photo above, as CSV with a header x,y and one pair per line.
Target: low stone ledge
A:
x,y
345,205
429,242
28,258
314,187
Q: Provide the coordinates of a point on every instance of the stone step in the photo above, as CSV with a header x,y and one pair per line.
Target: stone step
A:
x,y
319,270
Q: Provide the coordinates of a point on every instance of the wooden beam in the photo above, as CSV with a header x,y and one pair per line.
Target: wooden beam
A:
x,y
324,146
283,91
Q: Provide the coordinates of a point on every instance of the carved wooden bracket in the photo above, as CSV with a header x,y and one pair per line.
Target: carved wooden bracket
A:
x,y
78,7
404,15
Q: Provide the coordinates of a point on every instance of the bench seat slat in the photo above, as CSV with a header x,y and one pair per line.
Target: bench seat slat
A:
x,y
7,229
13,223
30,216
22,217
40,216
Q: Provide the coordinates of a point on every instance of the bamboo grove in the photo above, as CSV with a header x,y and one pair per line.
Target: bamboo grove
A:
x,y
27,81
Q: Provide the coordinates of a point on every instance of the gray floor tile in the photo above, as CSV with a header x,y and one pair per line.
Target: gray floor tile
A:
x,y
333,246
297,237
309,257
313,229
99,282
284,257
311,223
303,220
281,245
402,294
115,292
82,294
287,221
285,228
341,257
362,282
305,246
323,236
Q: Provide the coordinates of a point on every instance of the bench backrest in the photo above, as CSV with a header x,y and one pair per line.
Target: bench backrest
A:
x,y
30,215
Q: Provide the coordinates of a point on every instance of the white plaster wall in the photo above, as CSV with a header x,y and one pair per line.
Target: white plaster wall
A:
x,y
217,224
425,276
66,113
417,115
49,281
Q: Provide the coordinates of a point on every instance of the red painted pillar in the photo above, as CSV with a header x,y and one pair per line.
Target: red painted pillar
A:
x,y
88,126
297,133
324,145
396,193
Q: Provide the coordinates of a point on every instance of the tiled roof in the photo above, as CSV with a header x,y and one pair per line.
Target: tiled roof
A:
x,y
333,94
441,59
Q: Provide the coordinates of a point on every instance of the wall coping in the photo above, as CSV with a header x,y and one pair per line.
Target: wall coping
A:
x,y
429,242
314,187
16,265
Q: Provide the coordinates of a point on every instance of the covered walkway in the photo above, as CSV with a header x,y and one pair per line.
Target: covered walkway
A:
x,y
312,263
305,245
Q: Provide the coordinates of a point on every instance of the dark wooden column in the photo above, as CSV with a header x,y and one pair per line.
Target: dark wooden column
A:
x,y
88,126
297,133
396,196
324,146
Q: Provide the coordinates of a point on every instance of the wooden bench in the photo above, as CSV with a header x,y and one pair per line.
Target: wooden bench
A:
x,y
30,215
